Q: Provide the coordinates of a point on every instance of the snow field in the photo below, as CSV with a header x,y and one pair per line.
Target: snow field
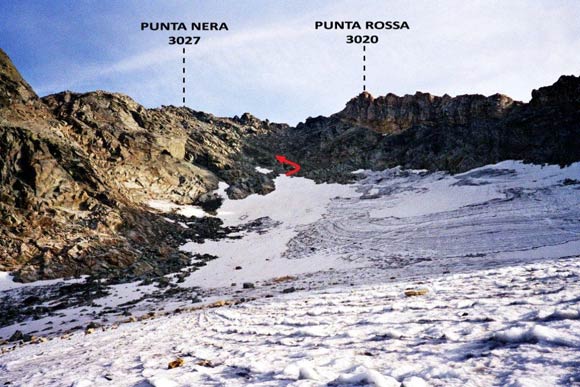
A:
x,y
497,249
508,326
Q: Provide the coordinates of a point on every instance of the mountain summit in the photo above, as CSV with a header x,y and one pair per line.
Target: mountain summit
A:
x,y
394,114
13,88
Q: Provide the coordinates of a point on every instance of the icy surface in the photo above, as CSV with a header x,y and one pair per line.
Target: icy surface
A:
x,y
503,211
296,202
499,327
497,249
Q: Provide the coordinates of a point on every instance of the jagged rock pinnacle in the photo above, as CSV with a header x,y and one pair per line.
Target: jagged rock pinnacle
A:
x,y
13,88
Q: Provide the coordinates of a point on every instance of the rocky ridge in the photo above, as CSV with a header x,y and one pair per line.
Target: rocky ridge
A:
x,y
423,131
79,169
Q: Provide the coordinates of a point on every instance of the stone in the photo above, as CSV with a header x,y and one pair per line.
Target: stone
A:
x,y
205,363
38,340
93,325
285,278
19,336
415,292
219,304
248,285
175,363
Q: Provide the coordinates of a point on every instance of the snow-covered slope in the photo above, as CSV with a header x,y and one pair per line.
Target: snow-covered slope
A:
x,y
508,326
296,202
498,249
507,212
497,212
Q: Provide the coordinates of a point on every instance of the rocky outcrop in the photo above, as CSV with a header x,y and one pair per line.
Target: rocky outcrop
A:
x,y
422,131
392,114
78,171
131,146
564,93
13,88
231,148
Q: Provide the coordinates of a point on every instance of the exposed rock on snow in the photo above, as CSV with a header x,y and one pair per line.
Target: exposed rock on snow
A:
x,y
175,363
501,309
416,292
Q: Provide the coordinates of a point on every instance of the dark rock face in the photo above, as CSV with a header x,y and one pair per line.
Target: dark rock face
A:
x,y
392,114
77,170
441,133
139,150
229,148
566,91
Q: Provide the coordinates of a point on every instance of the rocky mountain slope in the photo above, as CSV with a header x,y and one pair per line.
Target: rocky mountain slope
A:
x,y
78,170
457,134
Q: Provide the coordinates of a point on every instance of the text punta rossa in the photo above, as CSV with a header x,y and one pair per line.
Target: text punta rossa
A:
x,y
355,25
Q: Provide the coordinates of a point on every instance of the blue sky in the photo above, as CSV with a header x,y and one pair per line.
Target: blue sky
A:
x,y
273,63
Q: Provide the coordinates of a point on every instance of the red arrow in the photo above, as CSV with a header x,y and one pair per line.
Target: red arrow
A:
x,y
284,160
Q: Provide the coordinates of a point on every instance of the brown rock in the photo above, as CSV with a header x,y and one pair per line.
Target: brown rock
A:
x,y
285,278
175,363
220,303
415,292
205,363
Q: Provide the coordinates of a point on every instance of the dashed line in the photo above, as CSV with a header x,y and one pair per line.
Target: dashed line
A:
x,y
364,69
183,71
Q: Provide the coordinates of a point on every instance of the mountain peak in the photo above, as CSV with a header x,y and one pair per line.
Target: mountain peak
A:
x,y
393,114
565,90
13,88
364,97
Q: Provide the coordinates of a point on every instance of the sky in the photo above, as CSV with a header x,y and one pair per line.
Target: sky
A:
x,y
274,64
